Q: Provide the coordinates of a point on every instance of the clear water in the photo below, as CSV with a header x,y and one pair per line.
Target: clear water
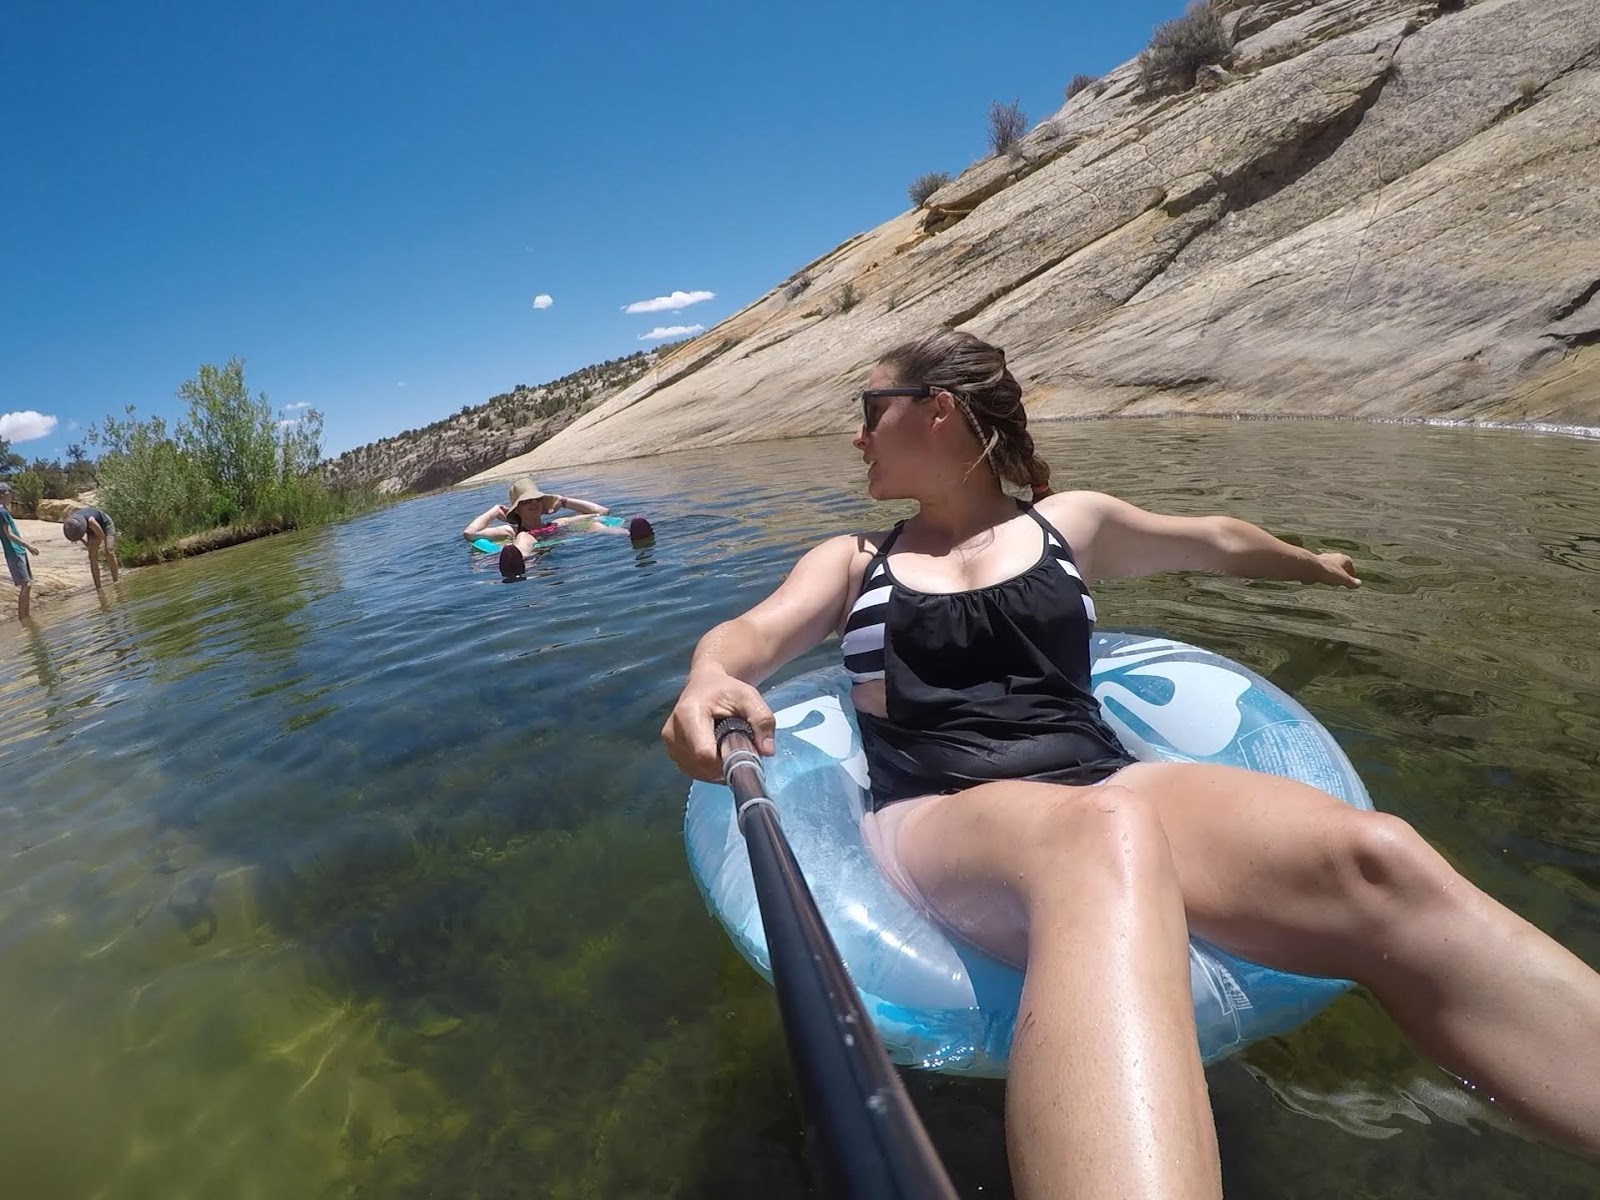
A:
x,y
332,866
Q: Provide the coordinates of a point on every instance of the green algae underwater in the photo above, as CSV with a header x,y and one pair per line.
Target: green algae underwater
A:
x,y
333,866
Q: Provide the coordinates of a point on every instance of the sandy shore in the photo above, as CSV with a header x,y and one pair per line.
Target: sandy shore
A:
x,y
61,568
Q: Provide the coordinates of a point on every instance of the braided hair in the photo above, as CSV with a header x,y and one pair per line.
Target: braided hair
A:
x,y
987,395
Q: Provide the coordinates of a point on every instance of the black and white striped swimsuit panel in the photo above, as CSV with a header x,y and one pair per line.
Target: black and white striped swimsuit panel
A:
x,y
980,685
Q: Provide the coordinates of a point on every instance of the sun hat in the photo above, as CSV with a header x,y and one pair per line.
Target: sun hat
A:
x,y
523,489
75,526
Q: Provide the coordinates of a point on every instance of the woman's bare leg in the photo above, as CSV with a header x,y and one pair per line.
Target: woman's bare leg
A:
x,y
1106,1095
636,529
1285,875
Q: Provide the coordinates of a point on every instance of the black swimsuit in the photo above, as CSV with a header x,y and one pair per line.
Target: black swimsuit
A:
x,y
981,685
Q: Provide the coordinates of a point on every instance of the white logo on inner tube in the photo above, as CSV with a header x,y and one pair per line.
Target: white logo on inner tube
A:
x,y
832,734
1202,717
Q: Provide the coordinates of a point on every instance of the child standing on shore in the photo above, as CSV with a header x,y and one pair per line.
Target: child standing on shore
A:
x,y
16,560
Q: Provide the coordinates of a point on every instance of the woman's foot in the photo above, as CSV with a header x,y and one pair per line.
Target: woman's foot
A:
x,y
640,530
512,562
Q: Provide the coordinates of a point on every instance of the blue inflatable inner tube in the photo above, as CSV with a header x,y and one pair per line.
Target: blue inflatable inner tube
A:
x,y
936,1001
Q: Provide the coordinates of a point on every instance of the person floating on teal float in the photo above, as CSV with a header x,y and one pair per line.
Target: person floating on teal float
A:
x,y
1008,810
99,533
16,553
526,519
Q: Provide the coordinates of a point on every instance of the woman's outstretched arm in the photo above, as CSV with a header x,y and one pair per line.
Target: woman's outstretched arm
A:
x,y
1117,540
587,508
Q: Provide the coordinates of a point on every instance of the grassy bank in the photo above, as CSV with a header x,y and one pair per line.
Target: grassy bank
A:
x,y
233,469
336,506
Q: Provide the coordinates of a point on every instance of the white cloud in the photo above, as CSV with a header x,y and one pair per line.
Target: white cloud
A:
x,y
286,424
542,301
297,404
672,303
666,331
26,426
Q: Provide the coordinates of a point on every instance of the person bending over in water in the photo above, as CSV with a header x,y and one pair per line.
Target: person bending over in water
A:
x,y
1006,808
96,530
527,516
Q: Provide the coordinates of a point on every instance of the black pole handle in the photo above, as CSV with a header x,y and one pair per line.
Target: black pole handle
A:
x,y
863,1130
729,725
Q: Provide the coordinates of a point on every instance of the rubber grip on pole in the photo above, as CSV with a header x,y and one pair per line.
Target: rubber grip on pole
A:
x,y
730,725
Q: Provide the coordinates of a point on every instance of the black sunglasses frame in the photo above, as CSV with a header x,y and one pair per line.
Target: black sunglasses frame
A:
x,y
870,418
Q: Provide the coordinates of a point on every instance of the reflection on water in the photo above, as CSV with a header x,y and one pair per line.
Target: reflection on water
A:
x,y
335,866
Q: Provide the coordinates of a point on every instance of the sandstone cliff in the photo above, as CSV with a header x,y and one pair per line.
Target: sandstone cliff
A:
x,y
1373,208
500,428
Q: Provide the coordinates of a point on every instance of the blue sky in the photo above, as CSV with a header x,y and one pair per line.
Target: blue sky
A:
x,y
363,200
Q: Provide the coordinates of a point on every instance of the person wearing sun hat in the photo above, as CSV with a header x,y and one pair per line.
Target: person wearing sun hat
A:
x,y
98,532
527,517
16,560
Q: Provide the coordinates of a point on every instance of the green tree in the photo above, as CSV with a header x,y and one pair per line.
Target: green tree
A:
x,y
145,478
52,479
300,444
9,462
80,469
231,437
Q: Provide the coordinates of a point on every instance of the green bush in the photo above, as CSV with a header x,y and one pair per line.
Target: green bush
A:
x,y
1007,124
223,510
1080,83
146,480
230,436
1181,46
848,298
924,186
229,462
50,478
27,489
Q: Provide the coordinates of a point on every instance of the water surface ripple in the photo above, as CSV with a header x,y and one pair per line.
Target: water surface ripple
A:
x,y
332,866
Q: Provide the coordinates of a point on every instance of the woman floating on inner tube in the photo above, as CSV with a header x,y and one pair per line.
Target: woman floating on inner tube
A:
x,y
1008,810
526,517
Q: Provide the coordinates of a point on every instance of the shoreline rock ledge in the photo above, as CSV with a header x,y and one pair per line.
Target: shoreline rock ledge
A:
x,y
1377,209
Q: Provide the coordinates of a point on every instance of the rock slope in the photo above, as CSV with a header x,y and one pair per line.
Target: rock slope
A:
x,y
504,426
1374,208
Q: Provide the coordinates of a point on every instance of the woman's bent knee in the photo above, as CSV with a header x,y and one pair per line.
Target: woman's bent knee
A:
x,y
1103,837
1383,871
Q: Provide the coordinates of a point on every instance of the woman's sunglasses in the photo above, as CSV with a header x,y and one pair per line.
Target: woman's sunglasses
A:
x,y
872,413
